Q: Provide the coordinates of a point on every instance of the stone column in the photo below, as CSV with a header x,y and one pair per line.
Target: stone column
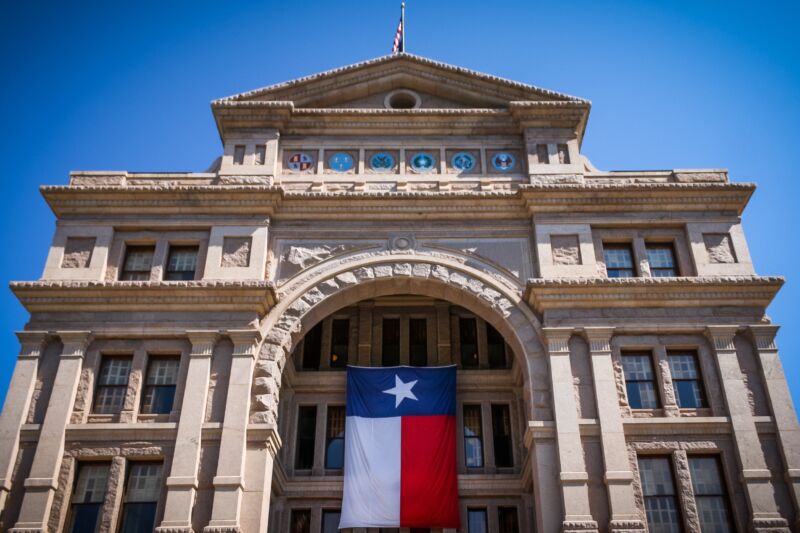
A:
x,y
365,310
780,400
182,481
572,474
755,474
229,481
42,481
443,348
18,402
618,474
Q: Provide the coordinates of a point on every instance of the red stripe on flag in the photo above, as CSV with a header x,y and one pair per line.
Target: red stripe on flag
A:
x,y
428,477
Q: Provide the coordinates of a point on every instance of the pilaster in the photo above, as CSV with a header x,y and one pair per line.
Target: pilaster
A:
x,y
755,474
229,481
443,348
41,484
618,475
781,406
572,467
17,405
182,481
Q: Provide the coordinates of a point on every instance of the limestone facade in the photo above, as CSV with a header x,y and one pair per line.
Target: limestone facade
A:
x,y
186,340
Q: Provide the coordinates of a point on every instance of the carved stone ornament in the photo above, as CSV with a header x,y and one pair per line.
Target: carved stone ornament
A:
x,y
403,242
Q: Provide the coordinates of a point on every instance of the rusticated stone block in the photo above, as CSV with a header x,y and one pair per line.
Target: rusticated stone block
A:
x,y
719,247
78,252
566,249
236,252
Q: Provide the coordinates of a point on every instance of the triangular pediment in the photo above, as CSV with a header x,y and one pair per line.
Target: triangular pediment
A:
x,y
368,84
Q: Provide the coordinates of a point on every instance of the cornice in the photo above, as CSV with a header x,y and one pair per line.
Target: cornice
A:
x,y
706,291
274,201
153,296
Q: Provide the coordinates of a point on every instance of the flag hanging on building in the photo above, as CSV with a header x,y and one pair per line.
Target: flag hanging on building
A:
x,y
398,45
400,448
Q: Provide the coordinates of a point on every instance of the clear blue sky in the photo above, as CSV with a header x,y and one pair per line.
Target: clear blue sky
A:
x,y
677,85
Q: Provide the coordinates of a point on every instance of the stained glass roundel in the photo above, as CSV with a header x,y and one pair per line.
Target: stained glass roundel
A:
x,y
422,162
341,162
503,161
463,161
298,162
381,162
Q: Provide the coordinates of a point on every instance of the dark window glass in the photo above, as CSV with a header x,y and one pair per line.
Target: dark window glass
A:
x,y
390,342
300,521
334,448
312,348
662,260
138,263
112,385
476,521
330,521
87,497
418,342
473,436
497,347
710,494
501,436
619,260
181,263
542,154
158,395
389,530
660,501
261,154
141,498
238,154
306,431
419,530
640,381
686,380
468,336
507,518
340,342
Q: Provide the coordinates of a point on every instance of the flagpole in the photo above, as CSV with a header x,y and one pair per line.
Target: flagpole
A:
x,y
403,27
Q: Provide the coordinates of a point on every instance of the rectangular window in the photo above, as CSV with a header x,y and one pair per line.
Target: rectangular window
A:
x,y
141,498
563,154
508,520
88,495
306,432
497,347
334,447
340,342
138,263
662,260
158,395
473,436
542,154
619,260
640,381
390,342
418,342
300,521
312,348
112,385
261,154
686,380
468,337
501,436
476,521
710,494
658,489
238,154
330,521
181,263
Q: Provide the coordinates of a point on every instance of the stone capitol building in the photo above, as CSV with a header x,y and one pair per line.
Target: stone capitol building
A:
x,y
183,366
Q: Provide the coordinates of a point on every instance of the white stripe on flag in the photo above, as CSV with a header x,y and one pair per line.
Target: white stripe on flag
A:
x,y
371,472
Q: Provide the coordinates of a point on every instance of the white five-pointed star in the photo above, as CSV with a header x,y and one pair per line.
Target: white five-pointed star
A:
x,y
401,391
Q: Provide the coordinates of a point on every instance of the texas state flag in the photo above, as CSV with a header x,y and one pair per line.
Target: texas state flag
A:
x,y
400,448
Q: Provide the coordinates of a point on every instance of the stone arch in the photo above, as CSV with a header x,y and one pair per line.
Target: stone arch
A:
x,y
320,291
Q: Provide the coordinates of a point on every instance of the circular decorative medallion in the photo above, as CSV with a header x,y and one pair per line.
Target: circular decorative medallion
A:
x,y
381,162
341,162
503,161
300,161
463,161
422,162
